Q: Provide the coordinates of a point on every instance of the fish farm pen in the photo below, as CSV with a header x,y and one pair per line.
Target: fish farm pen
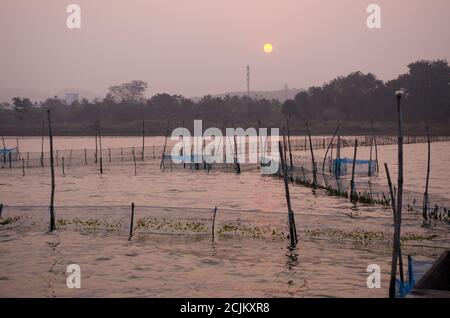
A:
x,y
332,174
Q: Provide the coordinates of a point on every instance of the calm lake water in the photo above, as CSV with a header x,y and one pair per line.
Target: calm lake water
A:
x,y
330,260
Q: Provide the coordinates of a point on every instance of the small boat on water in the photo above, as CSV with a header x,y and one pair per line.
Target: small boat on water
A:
x,y
435,283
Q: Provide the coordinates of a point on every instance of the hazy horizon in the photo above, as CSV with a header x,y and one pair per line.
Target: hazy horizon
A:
x,y
199,47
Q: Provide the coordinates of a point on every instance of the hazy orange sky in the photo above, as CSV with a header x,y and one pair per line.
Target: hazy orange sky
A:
x,y
196,47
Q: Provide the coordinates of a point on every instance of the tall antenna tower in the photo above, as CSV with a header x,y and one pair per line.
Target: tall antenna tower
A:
x,y
248,80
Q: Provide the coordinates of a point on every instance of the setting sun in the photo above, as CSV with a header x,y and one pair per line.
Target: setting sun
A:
x,y
268,48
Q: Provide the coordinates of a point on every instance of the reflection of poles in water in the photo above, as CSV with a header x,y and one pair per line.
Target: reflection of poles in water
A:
x,y
292,257
425,195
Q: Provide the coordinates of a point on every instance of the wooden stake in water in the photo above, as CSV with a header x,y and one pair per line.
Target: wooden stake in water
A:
x,y
290,150
17,149
62,164
236,159
109,154
376,152
143,139
398,220
4,152
352,182
314,168
85,157
369,172
57,158
28,158
291,219
214,222
23,167
1,209
132,220
328,148
161,166
42,144
52,170
391,193
9,159
100,146
425,195
96,149
134,161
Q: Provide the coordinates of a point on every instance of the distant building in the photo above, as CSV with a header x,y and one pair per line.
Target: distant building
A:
x,y
71,97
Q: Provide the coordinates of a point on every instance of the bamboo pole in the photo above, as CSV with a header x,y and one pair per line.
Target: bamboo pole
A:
x,y
1,209
376,153
42,144
161,166
369,172
23,167
425,195
4,152
9,160
28,158
291,219
132,220
100,146
214,223
352,182
17,149
314,170
57,158
96,149
85,157
236,159
134,161
290,150
143,139
62,164
52,170
391,193
337,167
398,220
109,154
70,158
328,148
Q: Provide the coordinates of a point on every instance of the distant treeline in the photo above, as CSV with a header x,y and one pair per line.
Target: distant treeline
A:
x,y
352,101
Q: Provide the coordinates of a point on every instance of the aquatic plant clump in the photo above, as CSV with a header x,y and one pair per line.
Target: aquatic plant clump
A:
x,y
92,224
171,226
229,230
365,237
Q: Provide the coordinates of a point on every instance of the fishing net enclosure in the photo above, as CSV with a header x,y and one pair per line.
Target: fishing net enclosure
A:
x,y
228,223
